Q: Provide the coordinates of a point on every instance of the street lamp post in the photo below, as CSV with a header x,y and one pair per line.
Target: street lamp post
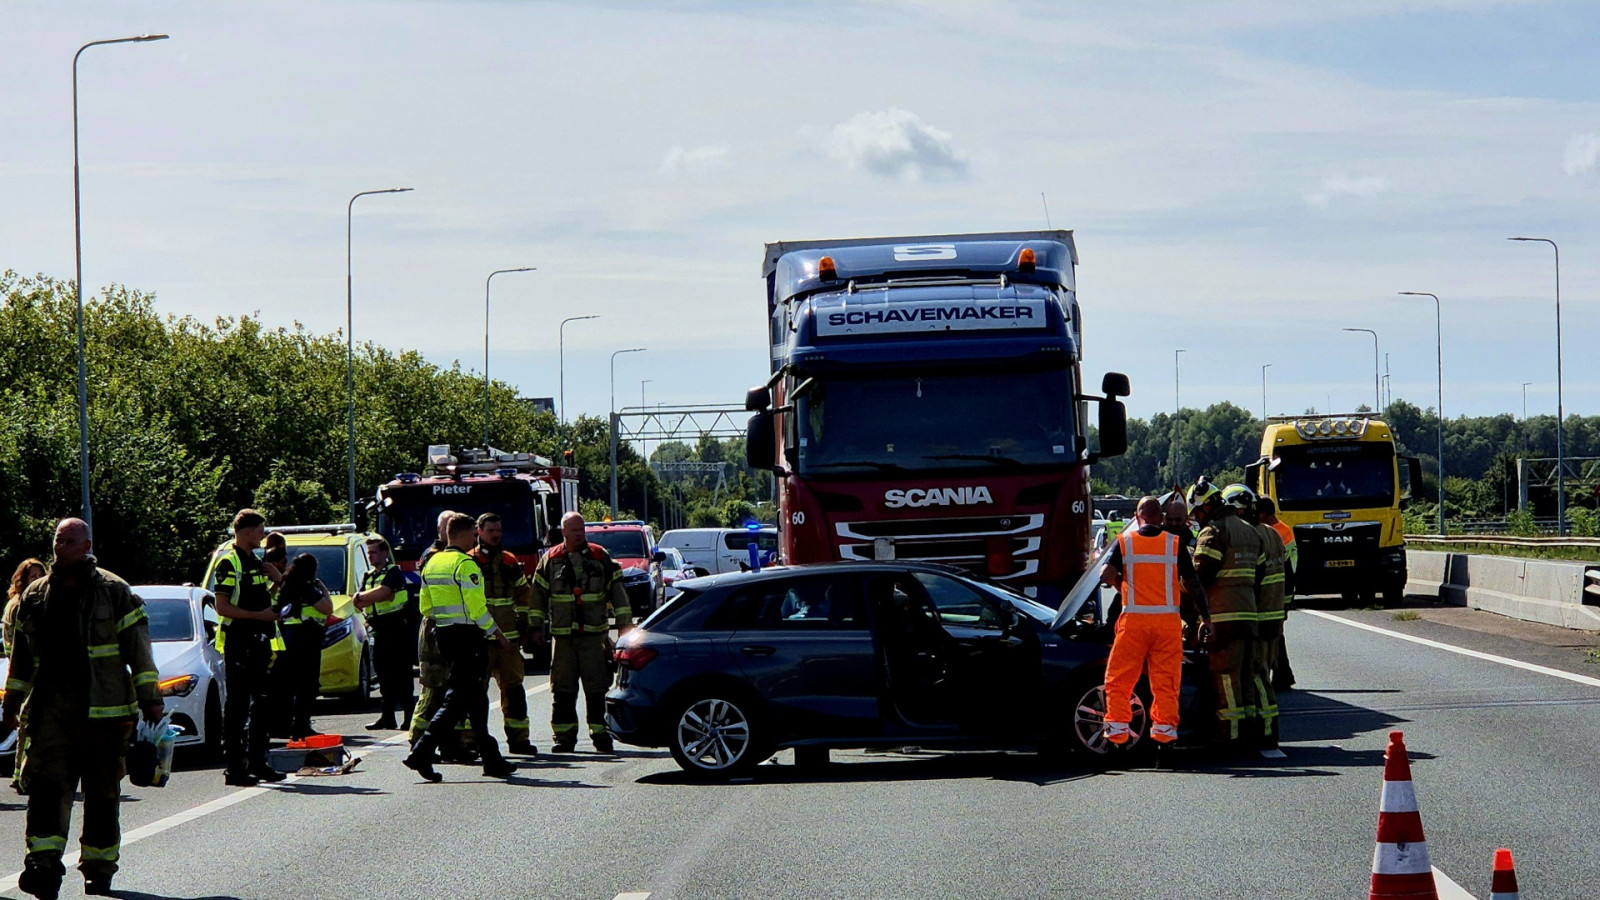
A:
x,y
1561,444
1377,401
486,345
561,359
86,509
1264,391
646,482
349,337
613,421
1438,331
1177,407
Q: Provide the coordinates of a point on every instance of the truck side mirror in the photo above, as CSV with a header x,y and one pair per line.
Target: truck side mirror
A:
x,y
1113,428
757,399
1114,384
1253,477
761,442
1412,480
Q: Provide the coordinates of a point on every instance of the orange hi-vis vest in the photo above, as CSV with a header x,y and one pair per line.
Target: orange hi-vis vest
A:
x,y
1149,572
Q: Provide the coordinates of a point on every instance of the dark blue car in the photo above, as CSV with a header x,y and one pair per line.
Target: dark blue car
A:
x,y
857,654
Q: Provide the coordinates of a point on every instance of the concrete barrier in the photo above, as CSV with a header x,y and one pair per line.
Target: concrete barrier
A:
x,y
1533,590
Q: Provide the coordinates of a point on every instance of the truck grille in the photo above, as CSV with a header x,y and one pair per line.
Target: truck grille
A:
x,y
962,542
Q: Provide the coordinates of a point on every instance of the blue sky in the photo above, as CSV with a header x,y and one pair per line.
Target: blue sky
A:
x,y
1245,178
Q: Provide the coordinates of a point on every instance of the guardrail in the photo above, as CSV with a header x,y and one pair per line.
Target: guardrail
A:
x,y
1554,592
1504,540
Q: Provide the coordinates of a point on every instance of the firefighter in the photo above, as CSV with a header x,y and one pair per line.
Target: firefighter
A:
x,y
572,587
1153,571
1282,675
1228,559
384,597
247,637
453,602
506,588
81,672
1269,622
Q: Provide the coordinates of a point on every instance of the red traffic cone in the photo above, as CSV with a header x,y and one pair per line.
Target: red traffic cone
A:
x,y
1400,866
1504,884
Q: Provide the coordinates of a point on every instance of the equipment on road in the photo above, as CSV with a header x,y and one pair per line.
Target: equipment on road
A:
x,y
1400,865
1503,884
1339,483
926,402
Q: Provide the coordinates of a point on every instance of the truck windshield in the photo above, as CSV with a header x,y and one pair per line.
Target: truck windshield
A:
x,y
925,421
411,520
1335,476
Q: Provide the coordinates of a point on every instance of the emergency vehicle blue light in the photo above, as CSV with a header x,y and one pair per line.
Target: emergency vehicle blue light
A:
x,y
753,526
407,477
505,472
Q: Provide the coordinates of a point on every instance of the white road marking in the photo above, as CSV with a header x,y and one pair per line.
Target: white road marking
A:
x,y
1449,890
226,800
633,895
1475,654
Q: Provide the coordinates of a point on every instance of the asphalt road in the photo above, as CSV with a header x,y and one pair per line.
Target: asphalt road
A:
x,y
1502,756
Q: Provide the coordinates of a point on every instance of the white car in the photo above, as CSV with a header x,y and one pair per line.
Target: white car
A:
x,y
182,628
667,567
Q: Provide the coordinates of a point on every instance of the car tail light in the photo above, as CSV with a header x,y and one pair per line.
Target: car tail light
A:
x,y
635,658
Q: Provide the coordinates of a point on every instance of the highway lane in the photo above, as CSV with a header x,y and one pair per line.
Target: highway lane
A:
x,y
1501,756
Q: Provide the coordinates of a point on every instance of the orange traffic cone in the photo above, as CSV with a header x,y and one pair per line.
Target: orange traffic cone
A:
x,y
1504,885
1400,866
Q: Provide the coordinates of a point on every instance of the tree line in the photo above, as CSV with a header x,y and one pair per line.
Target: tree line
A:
x,y
191,420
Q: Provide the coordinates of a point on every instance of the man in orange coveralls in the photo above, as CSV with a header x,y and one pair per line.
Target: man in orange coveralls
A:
x,y
1151,568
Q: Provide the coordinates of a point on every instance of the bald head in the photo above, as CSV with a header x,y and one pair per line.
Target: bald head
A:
x,y
572,534
72,542
1149,510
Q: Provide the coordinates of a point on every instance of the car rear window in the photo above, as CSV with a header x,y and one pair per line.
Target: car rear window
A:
x,y
800,603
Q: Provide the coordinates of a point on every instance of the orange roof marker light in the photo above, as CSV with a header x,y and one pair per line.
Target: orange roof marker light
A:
x,y
826,270
1026,260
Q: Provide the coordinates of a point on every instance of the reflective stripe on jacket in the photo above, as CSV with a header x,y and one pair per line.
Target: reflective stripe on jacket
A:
x,y
574,601
248,588
373,579
1229,558
1270,602
452,591
1149,572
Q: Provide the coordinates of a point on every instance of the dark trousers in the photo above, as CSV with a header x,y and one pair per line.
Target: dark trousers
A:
x,y
466,695
247,667
579,660
303,675
394,651
85,754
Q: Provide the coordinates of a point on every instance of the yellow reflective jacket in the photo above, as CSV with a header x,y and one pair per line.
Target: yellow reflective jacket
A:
x,y
452,591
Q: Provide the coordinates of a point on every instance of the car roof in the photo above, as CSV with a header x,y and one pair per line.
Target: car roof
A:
x,y
882,567
149,592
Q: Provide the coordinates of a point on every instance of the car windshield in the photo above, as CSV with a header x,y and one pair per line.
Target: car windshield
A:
x,y
330,565
411,520
924,421
629,544
170,620
1033,610
1335,476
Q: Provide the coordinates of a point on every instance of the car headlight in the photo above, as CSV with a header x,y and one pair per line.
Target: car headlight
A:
x,y
635,576
178,685
335,633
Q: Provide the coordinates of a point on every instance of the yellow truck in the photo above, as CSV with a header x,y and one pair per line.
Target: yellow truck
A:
x,y
1340,484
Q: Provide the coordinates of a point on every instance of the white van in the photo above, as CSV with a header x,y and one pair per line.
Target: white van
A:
x,y
719,550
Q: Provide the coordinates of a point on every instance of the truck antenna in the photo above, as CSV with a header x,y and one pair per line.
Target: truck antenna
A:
x,y
1046,211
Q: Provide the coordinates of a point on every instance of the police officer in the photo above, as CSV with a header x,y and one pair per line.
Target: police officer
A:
x,y
432,672
247,637
453,602
1269,621
573,585
81,671
384,597
1228,559
505,586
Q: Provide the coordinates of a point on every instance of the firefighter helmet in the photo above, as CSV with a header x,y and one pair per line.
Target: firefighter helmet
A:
x,y
1239,497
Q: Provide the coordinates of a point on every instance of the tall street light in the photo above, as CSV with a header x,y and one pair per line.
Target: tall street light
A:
x,y
1561,444
613,425
1376,400
486,344
1177,407
86,510
646,482
1264,391
1525,417
1438,331
349,338
561,359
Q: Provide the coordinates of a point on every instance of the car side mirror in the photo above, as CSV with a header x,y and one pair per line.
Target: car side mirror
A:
x,y
211,630
659,557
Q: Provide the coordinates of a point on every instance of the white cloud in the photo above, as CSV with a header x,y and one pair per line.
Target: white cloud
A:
x,y
1582,152
696,160
896,143
1333,188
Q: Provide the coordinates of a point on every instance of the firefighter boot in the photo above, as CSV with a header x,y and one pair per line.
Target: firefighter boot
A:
x,y
41,878
98,886
420,760
602,742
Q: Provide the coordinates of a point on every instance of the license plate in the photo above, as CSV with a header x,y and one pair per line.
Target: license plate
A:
x,y
1340,563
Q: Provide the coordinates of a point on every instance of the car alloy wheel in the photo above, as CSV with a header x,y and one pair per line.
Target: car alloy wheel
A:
x,y
712,735
1089,722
